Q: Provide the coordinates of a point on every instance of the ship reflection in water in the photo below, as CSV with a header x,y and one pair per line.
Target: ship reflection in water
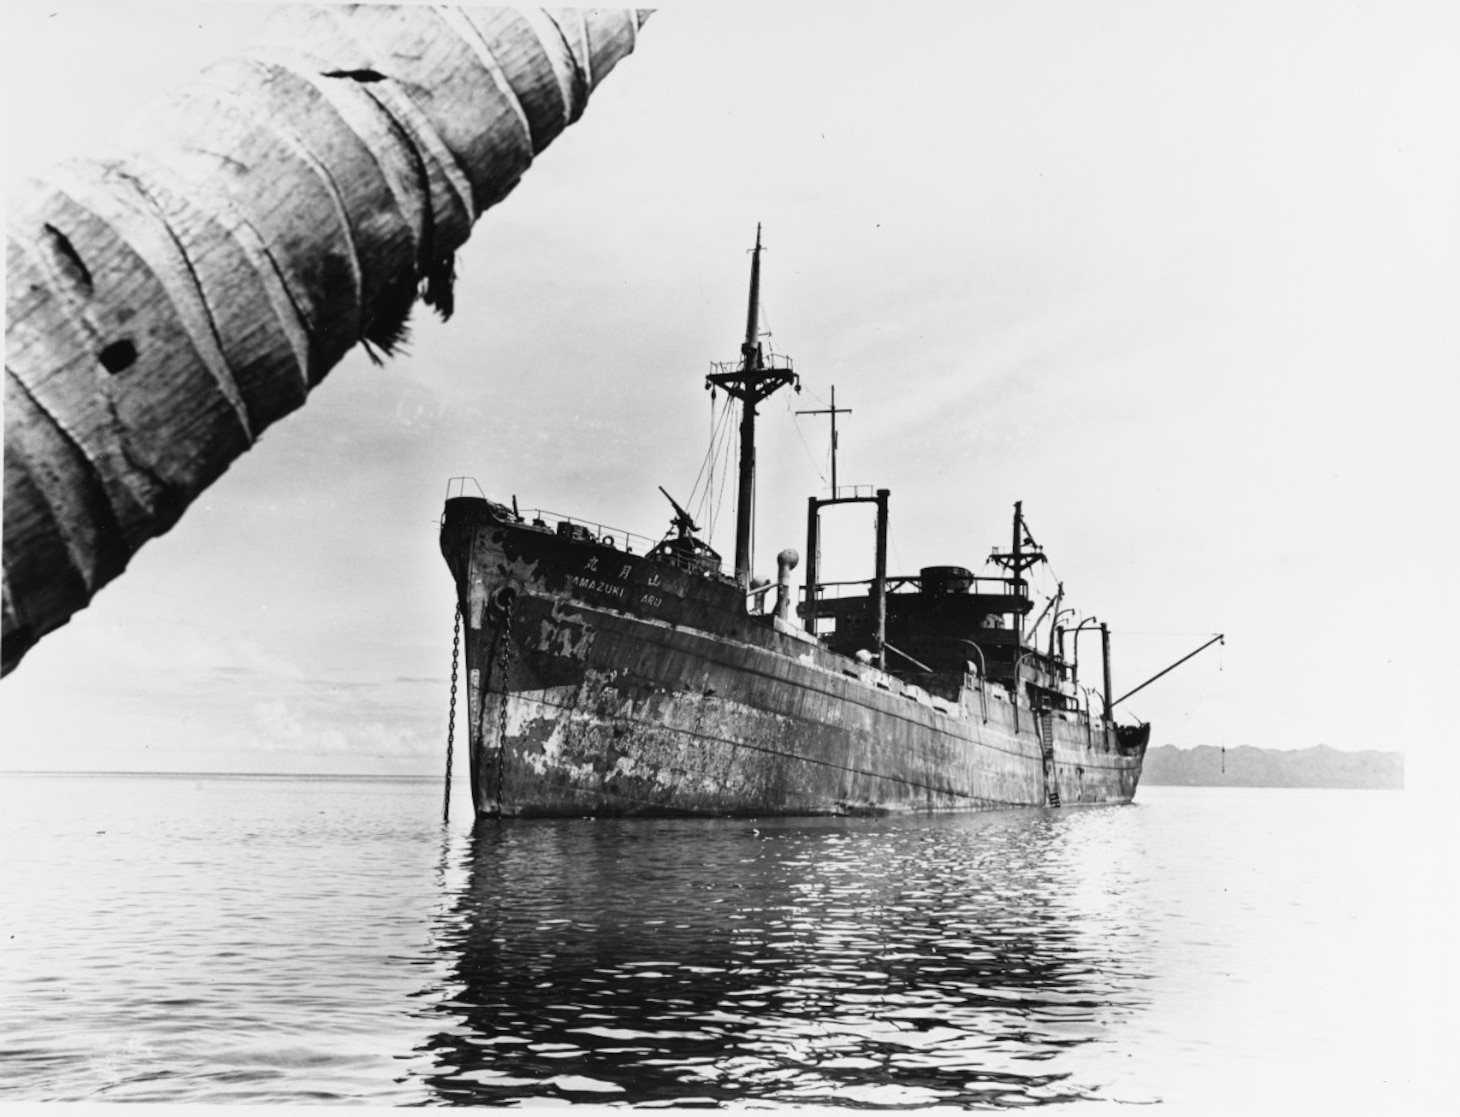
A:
x,y
953,960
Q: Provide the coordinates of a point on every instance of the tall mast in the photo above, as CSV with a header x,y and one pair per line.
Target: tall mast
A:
x,y
1017,560
1018,567
751,381
750,348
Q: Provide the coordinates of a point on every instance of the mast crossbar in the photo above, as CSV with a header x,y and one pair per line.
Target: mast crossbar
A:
x,y
751,382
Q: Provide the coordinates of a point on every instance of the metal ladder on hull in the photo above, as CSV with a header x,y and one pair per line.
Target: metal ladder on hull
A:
x,y
1046,742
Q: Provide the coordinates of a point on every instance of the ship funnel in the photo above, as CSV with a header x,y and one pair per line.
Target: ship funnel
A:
x,y
785,563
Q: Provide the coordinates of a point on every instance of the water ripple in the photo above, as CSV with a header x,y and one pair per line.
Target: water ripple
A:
x,y
879,964
288,941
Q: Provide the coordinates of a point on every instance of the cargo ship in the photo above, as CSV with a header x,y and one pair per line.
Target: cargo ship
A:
x,y
606,679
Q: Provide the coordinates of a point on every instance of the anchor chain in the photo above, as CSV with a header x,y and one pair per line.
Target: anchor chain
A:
x,y
451,715
504,660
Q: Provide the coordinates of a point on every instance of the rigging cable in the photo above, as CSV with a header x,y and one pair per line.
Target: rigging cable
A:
x,y
729,458
724,476
799,434
709,452
714,498
717,429
716,426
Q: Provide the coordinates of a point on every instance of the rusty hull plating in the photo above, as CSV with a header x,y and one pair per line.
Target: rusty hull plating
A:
x,y
602,682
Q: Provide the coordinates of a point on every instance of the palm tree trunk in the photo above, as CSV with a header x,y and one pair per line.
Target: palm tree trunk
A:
x,y
167,303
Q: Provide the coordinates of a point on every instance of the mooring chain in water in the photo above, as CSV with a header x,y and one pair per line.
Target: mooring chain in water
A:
x,y
451,715
504,657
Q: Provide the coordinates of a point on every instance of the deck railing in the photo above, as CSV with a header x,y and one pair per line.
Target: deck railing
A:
x,y
605,534
905,583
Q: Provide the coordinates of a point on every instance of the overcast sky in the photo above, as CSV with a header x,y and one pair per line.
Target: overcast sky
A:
x,y
1183,278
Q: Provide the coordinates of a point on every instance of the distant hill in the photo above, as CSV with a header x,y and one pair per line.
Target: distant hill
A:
x,y
1246,766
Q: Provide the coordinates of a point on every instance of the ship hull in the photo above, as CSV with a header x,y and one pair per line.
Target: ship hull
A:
x,y
601,683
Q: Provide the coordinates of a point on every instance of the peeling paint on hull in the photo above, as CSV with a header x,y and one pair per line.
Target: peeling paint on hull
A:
x,y
601,683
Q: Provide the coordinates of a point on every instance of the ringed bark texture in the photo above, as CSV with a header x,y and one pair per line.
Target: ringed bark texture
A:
x,y
167,302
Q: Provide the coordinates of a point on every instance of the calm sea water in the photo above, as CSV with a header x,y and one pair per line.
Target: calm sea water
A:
x,y
300,940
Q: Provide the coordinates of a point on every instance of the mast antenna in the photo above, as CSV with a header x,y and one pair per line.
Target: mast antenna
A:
x,y
833,411
750,380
